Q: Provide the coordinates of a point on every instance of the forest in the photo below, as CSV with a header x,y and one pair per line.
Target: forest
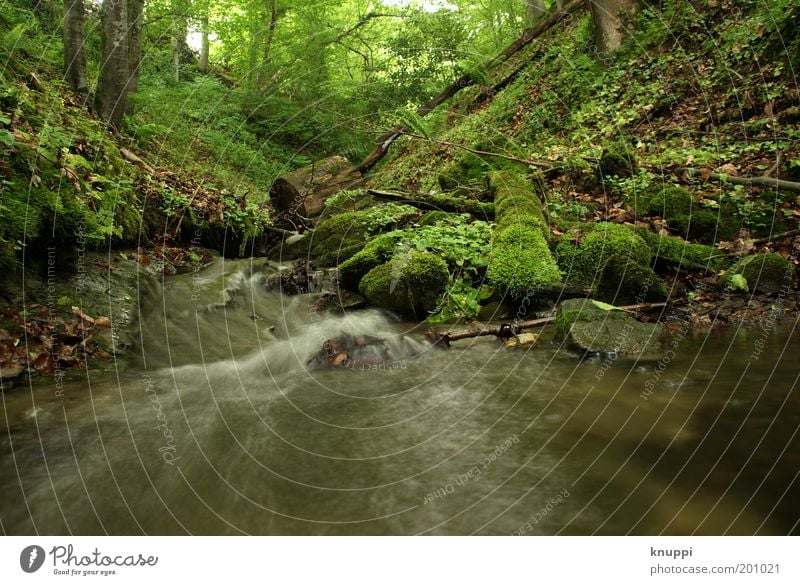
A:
x,y
369,229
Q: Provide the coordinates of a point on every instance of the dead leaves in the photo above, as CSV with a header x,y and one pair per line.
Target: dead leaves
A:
x,y
45,342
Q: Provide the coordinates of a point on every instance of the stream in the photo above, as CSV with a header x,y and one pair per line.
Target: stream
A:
x,y
214,424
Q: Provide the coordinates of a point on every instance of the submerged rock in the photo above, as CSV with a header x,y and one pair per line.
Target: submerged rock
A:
x,y
585,326
351,351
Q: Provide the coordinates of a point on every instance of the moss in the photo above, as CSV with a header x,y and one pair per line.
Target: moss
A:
x,y
409,283
624,282
583,254
617,162
433,217
514,195
767,273
683,253
338,238
520,261
520,258
375,253
462,205
686,217
342,236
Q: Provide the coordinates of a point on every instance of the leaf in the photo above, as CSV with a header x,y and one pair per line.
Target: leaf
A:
x,y
738,283
6,138
606,306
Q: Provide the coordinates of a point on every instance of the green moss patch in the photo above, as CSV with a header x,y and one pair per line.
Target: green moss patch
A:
x,y
520,258
583,253
767,273
409,283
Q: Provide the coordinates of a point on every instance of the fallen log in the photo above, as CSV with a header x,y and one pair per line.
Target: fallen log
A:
x,y
508,330
305,190
438,202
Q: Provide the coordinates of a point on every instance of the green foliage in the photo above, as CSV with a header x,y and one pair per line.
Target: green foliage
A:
x,y
461,300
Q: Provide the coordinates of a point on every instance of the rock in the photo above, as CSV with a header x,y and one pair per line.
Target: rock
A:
x,y
623,282
340,301
352,351
323,280
291,248
617,162
591,329
376,252
766,273
523,340
289,282
583,253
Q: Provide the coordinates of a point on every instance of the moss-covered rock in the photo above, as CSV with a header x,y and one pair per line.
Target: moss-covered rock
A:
x,y
617,162
408,283
342,236
338,238
623,282
766,273
583,253
688,219
520,258
378,251
683,253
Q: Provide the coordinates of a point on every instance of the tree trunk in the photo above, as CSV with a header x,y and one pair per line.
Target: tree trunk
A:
x,y
135,13
112,85
536,11
203,64
178,43
74,57
610,18
273,20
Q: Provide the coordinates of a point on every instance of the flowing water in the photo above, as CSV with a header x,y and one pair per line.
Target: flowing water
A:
x,y
216,425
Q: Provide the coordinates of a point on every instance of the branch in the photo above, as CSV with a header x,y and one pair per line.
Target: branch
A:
x,y
534,163
509,330
748,181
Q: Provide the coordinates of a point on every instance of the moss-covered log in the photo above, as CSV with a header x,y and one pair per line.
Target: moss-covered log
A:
x,y
520,259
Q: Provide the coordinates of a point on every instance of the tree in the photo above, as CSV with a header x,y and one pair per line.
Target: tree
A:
x,y
74,57
114,79
609,22
135,13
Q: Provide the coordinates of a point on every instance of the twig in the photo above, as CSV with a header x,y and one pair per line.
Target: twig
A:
x,y
508,329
